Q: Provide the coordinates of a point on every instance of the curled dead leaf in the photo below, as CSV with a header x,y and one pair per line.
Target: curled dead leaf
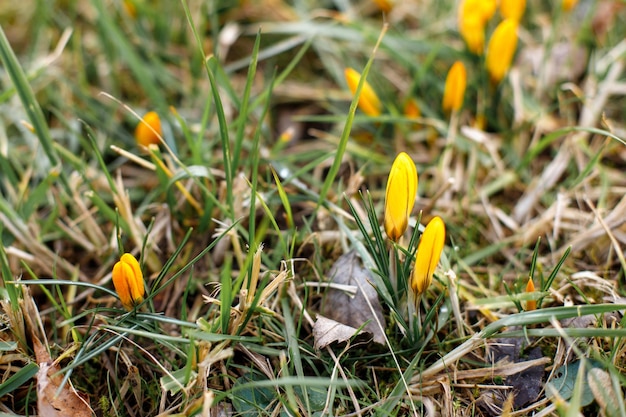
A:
x,y
53,398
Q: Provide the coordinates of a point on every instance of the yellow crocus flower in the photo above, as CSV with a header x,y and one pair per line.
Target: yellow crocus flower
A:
x,y
148,129
368,100
400,195
428,254
473,16
128,281
501,49
454,90
568,5
512,9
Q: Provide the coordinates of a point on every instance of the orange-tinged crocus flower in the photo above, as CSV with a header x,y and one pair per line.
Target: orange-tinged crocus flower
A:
x,y
512,9
501,49
148,129
412,109
454,90
568,5
384,5
368,100
428,254
400,195
128,281
530,287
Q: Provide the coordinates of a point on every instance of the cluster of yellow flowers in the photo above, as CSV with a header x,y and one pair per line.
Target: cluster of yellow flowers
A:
x,y
473,18
399,200
370,104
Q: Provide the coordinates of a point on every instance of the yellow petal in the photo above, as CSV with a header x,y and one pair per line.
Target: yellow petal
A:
x,y
148,130
512,9
454,90
400,195
472,29
428,254
501,50
369,102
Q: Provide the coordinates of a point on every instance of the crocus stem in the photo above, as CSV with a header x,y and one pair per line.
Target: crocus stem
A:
x,y
393,271
412,312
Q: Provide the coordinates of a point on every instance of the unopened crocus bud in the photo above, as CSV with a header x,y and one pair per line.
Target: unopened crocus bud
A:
x,y
512,9
412,109
368,100
428,254
454,90
473,17
501,49
128,281
148,129
530,287
568,5
384,5
400,195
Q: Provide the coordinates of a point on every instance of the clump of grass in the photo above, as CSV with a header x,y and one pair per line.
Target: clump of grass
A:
x,y
265,171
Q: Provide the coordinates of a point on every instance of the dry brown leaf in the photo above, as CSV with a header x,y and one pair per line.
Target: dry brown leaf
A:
x,y
327,331
68,402
528,384
363,307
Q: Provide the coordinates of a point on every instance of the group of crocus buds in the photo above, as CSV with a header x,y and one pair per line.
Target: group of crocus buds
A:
x,y
473,18
128,281
399,201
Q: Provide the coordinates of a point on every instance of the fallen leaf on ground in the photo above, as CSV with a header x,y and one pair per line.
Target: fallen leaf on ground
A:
x,y
353,311
68,402
327,331
527,385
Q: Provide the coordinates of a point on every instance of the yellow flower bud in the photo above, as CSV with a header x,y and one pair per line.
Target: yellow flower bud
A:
x,y
128,281
130,8
530,304
454,90
568,5
501,50
400,195
428,254
384,5
368,100
412,109
512,9
148,129
473,16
